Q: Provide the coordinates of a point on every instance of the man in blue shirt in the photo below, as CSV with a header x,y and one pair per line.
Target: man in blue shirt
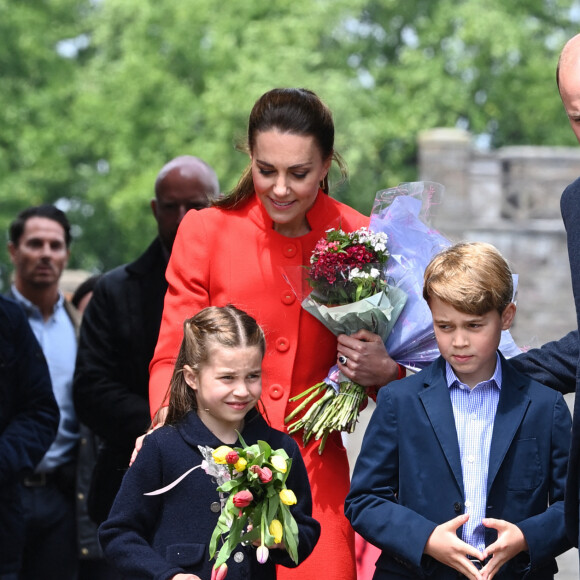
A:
x,y
39,249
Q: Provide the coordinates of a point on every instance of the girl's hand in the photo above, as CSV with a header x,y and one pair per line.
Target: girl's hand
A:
x,y
367,361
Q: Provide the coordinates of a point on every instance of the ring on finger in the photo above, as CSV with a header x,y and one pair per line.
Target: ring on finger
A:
x,y
342,359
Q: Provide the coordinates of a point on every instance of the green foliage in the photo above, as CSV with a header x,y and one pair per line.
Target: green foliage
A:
x,y
144,81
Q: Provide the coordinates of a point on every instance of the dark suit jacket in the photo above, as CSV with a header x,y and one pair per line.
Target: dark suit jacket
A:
x,y
408,476
110,389
28,422
163,535
557,363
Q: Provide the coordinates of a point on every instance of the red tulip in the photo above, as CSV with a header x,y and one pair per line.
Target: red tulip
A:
x,y
263,473
232,457
243,499
219,573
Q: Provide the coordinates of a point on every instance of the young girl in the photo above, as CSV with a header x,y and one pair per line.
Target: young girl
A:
x,y
215,386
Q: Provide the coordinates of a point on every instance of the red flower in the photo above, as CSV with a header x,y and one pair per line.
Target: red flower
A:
x,y
219,573
232,457
243,499
264,473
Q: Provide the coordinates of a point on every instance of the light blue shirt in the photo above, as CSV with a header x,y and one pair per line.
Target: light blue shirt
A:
x,y
474,411
58,341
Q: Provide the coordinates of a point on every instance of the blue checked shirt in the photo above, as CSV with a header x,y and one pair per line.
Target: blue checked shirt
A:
x,y
474,411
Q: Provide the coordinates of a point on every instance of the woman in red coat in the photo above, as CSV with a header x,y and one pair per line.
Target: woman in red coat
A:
x,y
249,250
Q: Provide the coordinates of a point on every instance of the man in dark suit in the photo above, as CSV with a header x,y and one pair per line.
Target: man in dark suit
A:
x,y
28,423
557,363
119,332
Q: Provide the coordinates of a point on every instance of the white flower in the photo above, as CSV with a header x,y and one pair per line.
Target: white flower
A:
x,y
375,273
262,554
356,274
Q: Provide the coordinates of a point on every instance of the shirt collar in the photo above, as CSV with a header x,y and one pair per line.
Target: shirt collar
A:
x,y
30,307
453,381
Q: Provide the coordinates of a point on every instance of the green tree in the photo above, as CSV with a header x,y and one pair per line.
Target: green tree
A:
x,y
146,81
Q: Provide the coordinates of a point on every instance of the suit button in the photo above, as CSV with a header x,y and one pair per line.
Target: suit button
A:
x,y
215,507
288,297
238,557
282,344
275,392
290,250
457,507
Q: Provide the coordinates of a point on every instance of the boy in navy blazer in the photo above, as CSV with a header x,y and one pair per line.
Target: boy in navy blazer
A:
x,y
463,465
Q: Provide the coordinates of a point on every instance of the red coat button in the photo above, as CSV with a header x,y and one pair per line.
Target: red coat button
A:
x,y
282,344
290,250
275,392
288,297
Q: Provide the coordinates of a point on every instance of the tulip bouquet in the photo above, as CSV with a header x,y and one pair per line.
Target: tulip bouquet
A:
x,y
349,292
257,509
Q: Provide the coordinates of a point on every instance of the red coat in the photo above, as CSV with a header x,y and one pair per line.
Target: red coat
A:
x,y
235,256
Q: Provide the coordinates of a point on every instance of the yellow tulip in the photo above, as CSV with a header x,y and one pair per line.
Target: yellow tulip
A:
x,y
279,463
276,530
240,465
219,455
287,497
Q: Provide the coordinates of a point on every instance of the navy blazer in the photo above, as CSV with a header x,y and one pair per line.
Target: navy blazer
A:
x,y
408,477
156,537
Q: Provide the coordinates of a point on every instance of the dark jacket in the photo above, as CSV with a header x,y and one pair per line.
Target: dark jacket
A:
x,y
557,364
408,476
28,422
110,389
156,537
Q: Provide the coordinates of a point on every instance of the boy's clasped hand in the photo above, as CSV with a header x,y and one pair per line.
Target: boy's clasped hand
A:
x,y
446,547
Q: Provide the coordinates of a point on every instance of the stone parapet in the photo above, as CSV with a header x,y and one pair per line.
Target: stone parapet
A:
x,y
510,197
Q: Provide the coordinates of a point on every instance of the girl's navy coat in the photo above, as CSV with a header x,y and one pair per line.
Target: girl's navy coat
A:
x,y
159,536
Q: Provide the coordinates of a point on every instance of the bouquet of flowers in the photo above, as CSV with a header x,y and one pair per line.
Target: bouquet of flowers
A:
x,y
349,292
258,505
405,213
257,508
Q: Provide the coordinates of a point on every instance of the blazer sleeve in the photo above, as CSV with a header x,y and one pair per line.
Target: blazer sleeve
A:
x,y
187,294
103,401
371,504
28,409
545,533
553,365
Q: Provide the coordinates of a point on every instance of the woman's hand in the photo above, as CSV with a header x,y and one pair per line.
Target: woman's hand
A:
x,y
158,421
367,361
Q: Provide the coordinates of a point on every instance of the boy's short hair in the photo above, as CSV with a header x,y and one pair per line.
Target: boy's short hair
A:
x,y
473,277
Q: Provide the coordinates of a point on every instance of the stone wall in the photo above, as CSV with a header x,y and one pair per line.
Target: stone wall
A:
x,y
510,197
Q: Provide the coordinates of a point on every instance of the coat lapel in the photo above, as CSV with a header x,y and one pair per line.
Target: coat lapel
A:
x,y
511,409
437,404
